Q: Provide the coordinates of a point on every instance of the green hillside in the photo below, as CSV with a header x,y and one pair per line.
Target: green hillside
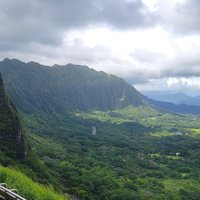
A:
x,y
135,152
125,159
65,88
11,134
26,187
15,152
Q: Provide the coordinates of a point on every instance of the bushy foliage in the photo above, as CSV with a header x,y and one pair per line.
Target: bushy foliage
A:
x,y
26,187
122,161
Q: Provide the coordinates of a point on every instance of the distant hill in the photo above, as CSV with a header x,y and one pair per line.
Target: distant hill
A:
x,y
177,108
173,97
65,88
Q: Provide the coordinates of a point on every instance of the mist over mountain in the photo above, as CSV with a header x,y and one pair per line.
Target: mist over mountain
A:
x,y
65,88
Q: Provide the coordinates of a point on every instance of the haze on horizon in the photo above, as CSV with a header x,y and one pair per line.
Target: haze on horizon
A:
x,y
154,45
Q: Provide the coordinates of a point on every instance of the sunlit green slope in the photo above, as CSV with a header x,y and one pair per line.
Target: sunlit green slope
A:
x,y
26,187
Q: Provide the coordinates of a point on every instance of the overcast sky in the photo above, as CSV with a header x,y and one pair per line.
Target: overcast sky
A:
x,y
153,44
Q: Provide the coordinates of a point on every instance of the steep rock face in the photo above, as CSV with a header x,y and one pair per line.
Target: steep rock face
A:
x,y
65,88
10,129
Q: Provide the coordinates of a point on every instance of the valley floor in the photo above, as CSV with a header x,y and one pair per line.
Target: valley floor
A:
x,y
131,156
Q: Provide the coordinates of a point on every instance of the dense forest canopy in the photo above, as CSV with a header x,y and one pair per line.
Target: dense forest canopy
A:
x,y
137,151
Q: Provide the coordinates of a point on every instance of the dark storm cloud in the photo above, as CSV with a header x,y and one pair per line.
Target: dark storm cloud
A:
x,y
22,21
138,76
186,68
184,64
44,21
182,19
189,17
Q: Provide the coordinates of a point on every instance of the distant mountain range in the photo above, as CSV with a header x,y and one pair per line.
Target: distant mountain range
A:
x,y
66,88
177,108
173,97
174,102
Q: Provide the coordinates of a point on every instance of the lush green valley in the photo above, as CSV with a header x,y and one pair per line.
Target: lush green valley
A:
x,y
93,136
155,159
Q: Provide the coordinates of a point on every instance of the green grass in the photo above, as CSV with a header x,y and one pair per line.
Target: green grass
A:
x,y
169,121
175,186
156,155
162,134
103,116
140,111
196,130
26,187
175,157
128,114
193,132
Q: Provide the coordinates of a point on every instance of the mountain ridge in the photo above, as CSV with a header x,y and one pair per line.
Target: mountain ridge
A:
x,y
65,88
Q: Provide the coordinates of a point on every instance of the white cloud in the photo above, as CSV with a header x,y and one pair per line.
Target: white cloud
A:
x,y
154,42
172,81
188,85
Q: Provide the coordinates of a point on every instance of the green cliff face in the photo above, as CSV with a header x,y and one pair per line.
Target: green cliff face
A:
x,y
11,136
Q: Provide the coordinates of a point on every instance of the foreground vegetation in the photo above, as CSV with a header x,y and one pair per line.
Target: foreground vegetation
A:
x,y
16,152
157,158
26,187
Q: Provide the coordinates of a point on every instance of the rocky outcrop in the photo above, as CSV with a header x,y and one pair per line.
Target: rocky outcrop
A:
x,y
11,135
